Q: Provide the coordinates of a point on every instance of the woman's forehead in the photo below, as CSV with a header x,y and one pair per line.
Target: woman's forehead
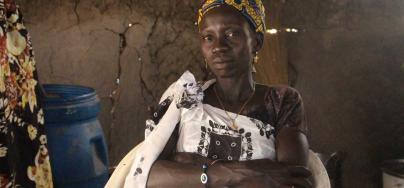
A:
x,y
223,16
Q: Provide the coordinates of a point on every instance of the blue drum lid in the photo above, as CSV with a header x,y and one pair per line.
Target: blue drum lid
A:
x,y
62,94
69,103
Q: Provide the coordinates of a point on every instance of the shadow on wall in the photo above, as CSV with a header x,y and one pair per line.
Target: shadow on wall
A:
x,y
349,65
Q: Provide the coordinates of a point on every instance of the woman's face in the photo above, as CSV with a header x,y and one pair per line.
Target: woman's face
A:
x,y
227,42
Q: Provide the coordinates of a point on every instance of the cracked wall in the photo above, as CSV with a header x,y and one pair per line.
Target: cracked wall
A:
x,y
83,42
346,64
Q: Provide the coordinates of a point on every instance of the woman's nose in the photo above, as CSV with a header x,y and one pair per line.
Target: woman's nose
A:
x,y
220,45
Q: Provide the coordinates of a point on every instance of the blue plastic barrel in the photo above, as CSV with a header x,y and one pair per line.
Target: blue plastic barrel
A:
x,y
76,142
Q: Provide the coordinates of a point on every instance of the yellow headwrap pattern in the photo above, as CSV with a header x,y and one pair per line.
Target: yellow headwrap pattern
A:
x,y
252,10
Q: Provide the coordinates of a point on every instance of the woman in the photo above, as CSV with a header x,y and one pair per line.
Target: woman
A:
x,y
231,131
24,159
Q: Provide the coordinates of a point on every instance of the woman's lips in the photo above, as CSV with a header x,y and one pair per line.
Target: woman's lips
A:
x,y
223,64
220,60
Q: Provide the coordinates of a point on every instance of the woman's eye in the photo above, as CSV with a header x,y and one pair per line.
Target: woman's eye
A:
x,y
207,38
231,34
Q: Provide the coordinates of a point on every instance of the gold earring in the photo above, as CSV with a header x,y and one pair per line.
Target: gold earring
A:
x,y
253,70
256,58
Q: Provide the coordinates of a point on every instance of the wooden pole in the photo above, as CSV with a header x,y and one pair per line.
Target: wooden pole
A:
x,y
272,67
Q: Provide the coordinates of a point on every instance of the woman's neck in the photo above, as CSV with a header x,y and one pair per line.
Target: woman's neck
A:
x,y
235,89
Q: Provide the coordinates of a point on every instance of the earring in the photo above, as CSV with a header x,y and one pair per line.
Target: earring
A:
x,y
206,65
256,58
253,70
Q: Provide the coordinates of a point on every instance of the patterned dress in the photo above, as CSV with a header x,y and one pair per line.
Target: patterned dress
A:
x,y
24,159
182,122
204,129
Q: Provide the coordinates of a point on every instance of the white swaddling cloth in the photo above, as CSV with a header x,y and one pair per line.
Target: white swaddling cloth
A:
x,y
156,140
133,170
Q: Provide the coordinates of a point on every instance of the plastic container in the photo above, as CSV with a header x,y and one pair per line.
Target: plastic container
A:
x,y
77,148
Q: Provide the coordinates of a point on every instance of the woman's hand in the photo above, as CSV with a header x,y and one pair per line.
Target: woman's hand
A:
x,y
220,174
255,173
274,175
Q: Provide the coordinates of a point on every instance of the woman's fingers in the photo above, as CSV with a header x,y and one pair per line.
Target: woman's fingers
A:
x,y
299,171
285,175
301,176
248,172
299,183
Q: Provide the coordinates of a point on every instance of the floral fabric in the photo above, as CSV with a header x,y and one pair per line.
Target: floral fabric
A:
x,y
24,159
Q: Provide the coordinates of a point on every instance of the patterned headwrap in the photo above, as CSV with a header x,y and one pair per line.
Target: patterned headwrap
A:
x,y
252,10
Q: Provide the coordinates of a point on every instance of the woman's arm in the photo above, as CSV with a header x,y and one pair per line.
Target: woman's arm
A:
x,y
180,169
291,142
286,106
165,173
289,169
292,147
186,168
